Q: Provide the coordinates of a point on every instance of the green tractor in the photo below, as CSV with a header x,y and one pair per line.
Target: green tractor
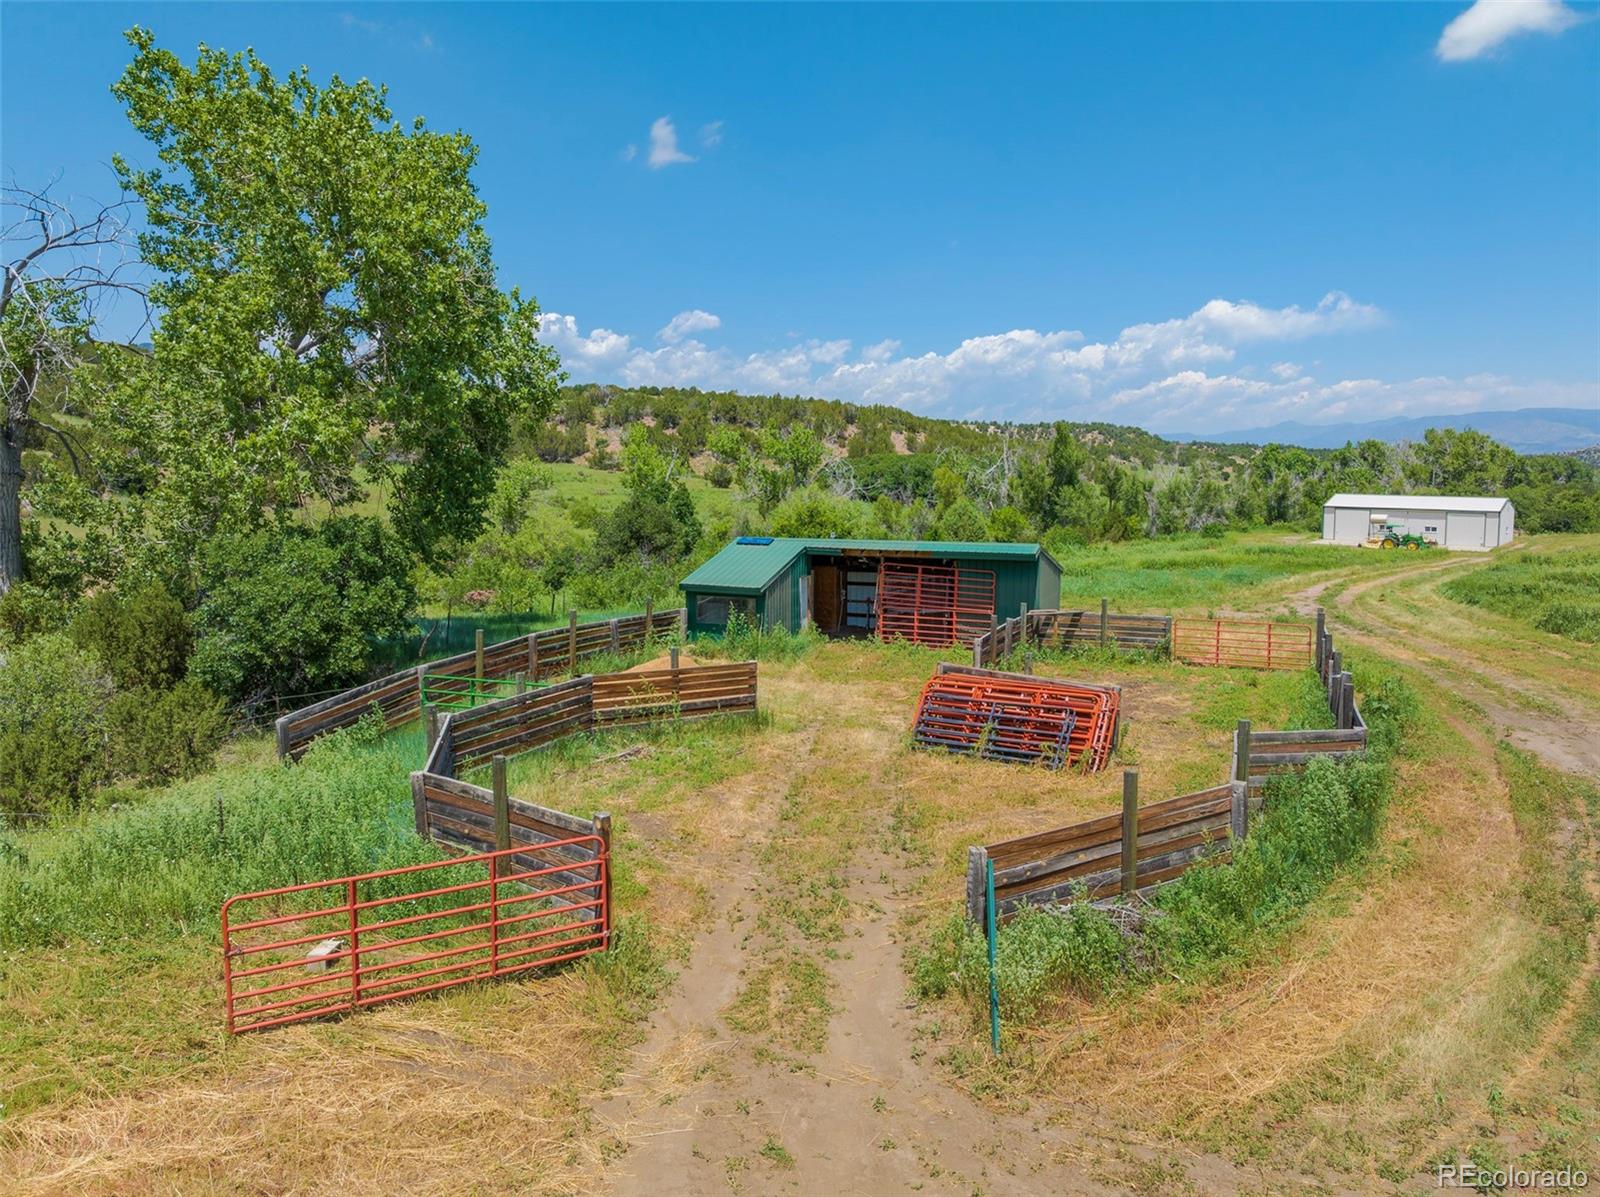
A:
x,y
1392,536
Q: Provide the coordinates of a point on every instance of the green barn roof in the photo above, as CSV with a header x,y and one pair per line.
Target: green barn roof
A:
x,y
750,564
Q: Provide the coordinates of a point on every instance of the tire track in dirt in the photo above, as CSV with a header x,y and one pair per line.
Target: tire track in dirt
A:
x,y
705,1109
1553,728
1563,741
708,1109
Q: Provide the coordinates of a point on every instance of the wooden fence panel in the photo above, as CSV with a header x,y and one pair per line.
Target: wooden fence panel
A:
x,y
1084,859
1075,629
1274,751
536,654
461,815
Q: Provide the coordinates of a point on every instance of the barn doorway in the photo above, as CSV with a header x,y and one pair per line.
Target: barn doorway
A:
x,y
924,600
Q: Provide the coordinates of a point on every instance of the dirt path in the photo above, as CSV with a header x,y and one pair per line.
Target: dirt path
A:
x,y
709,1106
1523,709
707,1109
1518,706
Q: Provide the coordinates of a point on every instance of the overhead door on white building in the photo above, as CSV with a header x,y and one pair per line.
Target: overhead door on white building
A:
x,y
1350,524
1465,530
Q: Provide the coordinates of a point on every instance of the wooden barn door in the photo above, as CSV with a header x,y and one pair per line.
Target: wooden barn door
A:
x,y
825,597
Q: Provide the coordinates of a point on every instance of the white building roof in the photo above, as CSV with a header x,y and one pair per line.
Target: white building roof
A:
x,y
1423,502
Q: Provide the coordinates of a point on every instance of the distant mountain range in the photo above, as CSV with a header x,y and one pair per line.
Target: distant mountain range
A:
x,y
1530,430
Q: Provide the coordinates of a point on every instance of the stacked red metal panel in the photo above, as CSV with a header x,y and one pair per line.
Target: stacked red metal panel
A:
x,y
1003,717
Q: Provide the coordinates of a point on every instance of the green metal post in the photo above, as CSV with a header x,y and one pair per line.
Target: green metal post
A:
x,y
994,977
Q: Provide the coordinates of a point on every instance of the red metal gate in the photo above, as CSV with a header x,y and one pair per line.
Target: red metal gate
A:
x,y
934,605
466,919
1253,644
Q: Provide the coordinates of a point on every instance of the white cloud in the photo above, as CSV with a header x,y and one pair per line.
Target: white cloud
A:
x,y
1182,374
600,351
664,149
686,324
1488,23
711,135
630,152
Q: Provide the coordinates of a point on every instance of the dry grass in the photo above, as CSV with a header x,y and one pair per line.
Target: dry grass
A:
x,y
480,1090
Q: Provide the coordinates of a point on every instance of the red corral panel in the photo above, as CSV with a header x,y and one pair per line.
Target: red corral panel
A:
x,y
329,947
1252,644
934,605
1003,717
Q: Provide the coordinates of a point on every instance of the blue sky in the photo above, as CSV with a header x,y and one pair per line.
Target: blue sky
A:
x,y
1195,218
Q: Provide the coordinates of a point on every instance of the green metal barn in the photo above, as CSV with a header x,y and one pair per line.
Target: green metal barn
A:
x,y
927,591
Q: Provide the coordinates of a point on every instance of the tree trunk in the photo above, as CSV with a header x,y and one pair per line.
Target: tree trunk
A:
x,y
10,506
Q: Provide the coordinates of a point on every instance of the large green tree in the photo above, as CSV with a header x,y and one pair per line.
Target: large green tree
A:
x,y
330,317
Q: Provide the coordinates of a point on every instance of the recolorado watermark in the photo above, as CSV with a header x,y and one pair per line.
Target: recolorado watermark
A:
x,y
1467,1175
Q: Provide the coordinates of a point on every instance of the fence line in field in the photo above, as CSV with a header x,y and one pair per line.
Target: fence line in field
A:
x,y
1145,847
398,697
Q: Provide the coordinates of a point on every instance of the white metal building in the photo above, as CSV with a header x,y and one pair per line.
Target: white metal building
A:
x,y
1452,521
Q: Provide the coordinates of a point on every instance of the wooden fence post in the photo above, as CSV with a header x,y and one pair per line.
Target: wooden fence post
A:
x,y
1347,700
977,652
602,828
419,804
430,724
1239,811
1333,682
533,655
616,643
1322,630
977,869
281,729
649,618
1103,622
477,654
1027,661
502,810
522,683
572,642
1024,618
1241,771
1130,830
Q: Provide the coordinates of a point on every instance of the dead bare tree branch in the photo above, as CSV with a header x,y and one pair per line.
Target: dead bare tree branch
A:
x,y
63,265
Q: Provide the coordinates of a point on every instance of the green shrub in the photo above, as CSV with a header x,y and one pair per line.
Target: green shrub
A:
x,y
1311,825
742,640
158,735
1038,955
289,611
141,635
52,726
28,610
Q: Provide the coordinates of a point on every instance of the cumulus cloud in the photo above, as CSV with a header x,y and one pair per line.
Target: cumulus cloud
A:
x,y
664,149
601,350
1192,373
686,324
711,135
1488,23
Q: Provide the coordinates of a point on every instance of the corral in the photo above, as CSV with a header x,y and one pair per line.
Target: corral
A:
x,y
799,852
